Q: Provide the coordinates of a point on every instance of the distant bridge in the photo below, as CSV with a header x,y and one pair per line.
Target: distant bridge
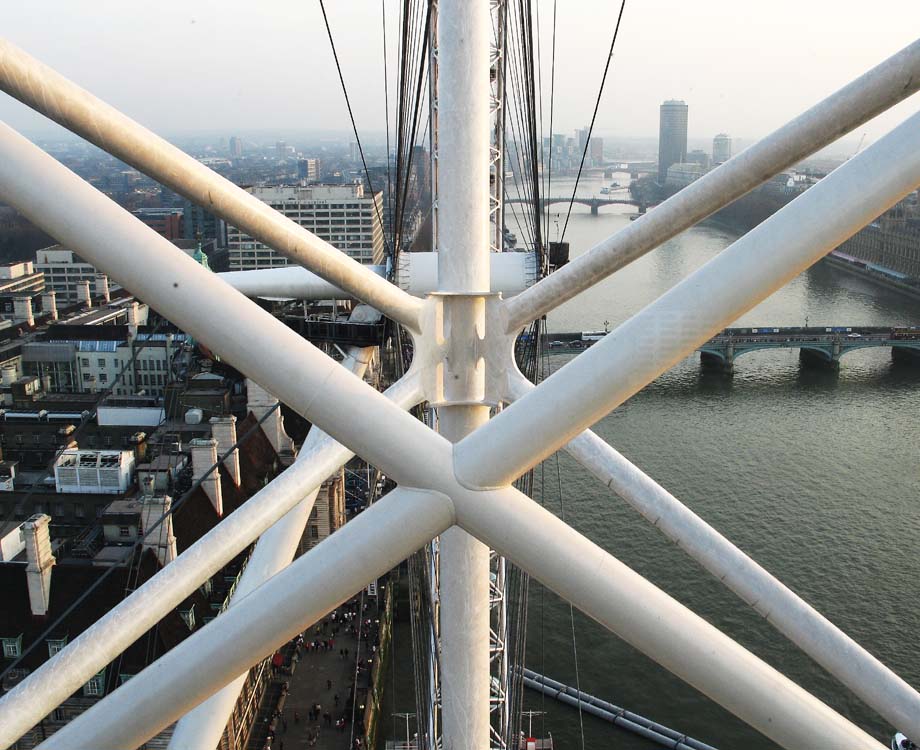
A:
x,y
820,346
593,203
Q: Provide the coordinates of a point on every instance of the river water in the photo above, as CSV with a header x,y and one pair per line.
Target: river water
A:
x,y
813,473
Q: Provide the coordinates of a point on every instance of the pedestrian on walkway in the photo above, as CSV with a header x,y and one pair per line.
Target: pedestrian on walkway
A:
x,y
328,684
296,718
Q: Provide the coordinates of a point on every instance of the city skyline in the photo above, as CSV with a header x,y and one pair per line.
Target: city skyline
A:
x,y
710,58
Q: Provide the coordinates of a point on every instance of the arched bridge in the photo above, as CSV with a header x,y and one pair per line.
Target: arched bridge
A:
x,y
593,203
821,346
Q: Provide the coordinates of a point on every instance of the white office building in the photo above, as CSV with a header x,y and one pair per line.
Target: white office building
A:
x,y
64,271
340,214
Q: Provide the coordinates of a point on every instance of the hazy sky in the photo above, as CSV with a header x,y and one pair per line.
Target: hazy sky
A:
x,y
744,67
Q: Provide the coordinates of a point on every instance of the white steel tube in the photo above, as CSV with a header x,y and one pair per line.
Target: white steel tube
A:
x,y
875,91
362,550
416,274
203,726
463,36
621,600
673,326
198,302
47,91
869,679
292,282
48,686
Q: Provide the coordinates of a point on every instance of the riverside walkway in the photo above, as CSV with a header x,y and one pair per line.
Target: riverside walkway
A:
x,y
321,671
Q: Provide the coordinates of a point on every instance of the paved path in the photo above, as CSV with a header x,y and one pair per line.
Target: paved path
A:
x,y
324,677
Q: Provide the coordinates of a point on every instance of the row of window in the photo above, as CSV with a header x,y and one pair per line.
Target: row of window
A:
x,y
142,364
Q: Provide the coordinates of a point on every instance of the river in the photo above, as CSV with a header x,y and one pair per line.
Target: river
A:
x,y
814,473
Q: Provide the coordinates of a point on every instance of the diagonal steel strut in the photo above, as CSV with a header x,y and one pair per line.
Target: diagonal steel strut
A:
x,y
875,91
50,93
667,330
878,687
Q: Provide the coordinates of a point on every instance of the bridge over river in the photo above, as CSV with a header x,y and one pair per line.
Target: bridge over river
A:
x,y
593,203
820,346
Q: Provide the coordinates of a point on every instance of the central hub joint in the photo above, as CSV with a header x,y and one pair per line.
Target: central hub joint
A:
x,y
459,350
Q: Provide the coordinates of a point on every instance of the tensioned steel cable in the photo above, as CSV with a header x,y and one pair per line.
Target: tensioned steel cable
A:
x,y
423,68
386,118
351,116
597,104
552,101
128,556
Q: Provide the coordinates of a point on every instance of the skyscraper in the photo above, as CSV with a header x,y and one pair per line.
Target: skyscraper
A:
x,y
236,147
721,148
672,136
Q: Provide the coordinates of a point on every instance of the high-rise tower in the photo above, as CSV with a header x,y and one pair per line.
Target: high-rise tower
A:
x,y
721,148
672,136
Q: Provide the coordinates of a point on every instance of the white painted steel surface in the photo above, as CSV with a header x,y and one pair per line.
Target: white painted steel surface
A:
x,y
416,274
875,91
287,282
344,563
58,98
672,327
622,601
203,726
315,386
511,273
464,30
198,302
112,633
879,687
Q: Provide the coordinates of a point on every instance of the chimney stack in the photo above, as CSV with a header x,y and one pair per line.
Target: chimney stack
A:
x,y
37,539
49,304
22,310
223,430
259,402
162,540
102,287
204,456
83,296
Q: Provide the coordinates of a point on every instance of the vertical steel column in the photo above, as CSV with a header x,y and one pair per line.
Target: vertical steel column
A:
x,y
464,30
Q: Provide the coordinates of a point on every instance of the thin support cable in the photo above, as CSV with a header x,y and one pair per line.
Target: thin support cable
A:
x,y
351,116
597,104
552,102
581,718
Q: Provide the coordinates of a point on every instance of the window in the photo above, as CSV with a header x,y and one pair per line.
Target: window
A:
x,y
59,509
314,532
101,362
85,361
78,510
12,647
58,715
55,645
124,531
96,685
123,678
103,378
